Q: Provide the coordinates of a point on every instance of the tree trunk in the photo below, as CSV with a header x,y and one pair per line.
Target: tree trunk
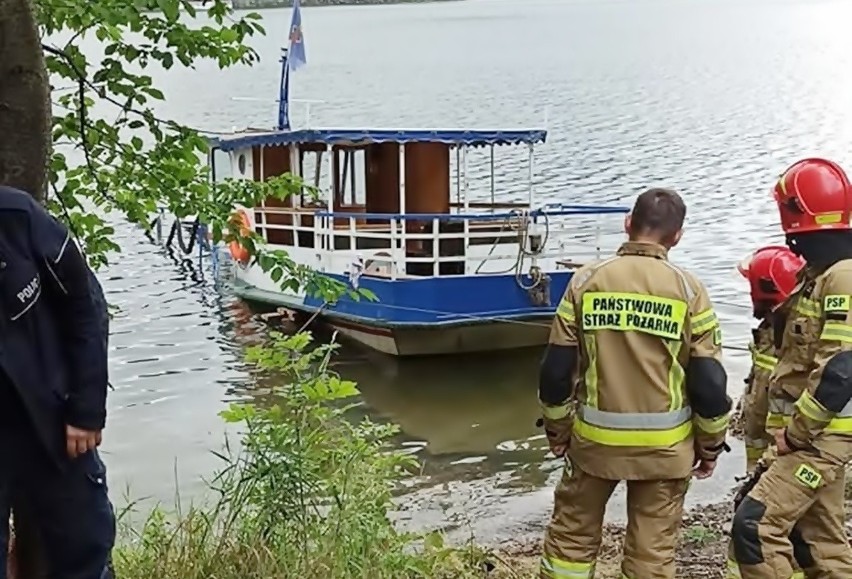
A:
x,y
25,115
25,142
26,560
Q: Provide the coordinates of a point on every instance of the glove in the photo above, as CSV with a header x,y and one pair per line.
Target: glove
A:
x,y
558,431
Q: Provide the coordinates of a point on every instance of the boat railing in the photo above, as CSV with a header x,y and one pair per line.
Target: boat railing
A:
x,y
398,245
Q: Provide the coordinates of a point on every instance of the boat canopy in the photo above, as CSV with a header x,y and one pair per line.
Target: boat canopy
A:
x,y
354,137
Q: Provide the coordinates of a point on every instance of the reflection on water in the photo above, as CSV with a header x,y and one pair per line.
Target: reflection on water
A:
x,y
464,419
485,401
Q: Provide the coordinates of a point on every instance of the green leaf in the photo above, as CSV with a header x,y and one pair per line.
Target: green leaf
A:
x,y
169,8
367,294
434,541
229,35
155,93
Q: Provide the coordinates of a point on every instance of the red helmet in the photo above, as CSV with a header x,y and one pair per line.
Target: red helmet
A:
x,y
771,272
814,194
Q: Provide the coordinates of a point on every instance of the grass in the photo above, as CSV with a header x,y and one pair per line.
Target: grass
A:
x,y
214,543
307,496
700,535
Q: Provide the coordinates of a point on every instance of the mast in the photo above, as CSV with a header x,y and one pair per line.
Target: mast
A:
x,y
292,58
284,94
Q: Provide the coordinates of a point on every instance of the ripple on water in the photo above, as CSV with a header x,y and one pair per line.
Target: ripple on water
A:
x,y
635,94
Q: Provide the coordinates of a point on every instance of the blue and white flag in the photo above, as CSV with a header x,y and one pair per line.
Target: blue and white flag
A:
x,y
294,59
296,53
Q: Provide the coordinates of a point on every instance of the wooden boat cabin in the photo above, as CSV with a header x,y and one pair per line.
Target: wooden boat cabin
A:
x,y
385,194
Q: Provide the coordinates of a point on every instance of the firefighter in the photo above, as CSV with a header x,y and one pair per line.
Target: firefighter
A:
x,y
53,387
641,336
804,485
771,272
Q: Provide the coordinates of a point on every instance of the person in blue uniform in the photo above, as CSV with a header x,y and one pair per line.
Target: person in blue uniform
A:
x,y
53,387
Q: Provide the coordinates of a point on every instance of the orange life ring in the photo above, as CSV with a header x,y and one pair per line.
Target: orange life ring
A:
x,y
238,252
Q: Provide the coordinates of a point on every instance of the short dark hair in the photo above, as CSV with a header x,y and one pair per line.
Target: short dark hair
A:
x,y
658,211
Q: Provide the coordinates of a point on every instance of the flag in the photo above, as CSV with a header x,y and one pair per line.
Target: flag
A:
x,y
293,60
296,51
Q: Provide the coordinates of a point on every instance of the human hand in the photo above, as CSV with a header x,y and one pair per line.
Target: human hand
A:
x,y
558,450
558,434
79,441
704,469
781,442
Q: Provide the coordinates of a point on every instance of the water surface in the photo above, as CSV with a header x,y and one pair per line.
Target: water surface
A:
x,y
712,97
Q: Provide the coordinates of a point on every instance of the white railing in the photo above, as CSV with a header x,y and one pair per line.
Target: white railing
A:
x,y
550,238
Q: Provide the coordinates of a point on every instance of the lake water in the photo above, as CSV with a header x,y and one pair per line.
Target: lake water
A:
x,y
712,97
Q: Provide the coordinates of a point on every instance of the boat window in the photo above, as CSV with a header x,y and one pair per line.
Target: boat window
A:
x,y
220,165
350,186
314,170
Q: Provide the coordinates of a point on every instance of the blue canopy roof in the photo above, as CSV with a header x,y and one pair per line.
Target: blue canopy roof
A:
x,y
368,136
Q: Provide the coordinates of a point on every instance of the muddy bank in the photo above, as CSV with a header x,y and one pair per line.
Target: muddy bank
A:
x,y
515,506
702,552
500,513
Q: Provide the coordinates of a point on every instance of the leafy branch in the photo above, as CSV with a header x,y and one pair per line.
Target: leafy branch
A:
x,y
140,162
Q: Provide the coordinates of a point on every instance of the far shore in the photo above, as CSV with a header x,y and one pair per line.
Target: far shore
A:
x,y
265,4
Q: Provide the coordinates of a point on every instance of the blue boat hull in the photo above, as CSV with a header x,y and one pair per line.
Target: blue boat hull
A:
x,y
434,316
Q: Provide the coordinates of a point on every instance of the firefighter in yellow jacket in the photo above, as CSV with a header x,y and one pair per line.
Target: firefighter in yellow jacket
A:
x,y
771,273
643,340
803,487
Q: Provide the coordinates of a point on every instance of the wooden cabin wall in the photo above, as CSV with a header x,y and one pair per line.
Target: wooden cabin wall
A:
x,y
427,190
427,178
276,162
382,178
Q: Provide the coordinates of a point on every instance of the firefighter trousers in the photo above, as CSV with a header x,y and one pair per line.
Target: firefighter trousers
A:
x,y
801,557
755,408
802,490
573,538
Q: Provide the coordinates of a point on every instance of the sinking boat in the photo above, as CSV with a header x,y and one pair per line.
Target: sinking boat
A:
x,y
450,275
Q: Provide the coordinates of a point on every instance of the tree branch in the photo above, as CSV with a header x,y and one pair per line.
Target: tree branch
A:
x,y
102,93
84,124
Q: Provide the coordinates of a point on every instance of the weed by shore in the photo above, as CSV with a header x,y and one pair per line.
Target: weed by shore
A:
x,y
308,495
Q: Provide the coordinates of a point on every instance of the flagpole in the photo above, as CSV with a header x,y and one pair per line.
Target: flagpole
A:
x,y
292,58
284,94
